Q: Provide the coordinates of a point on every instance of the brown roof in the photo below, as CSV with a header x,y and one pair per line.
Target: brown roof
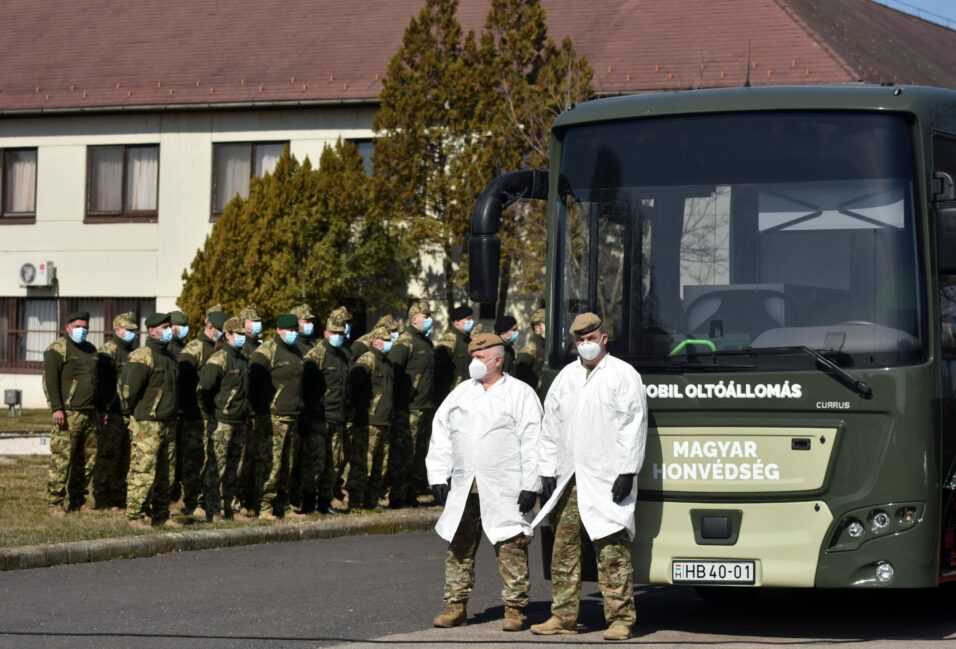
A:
x,y
114,53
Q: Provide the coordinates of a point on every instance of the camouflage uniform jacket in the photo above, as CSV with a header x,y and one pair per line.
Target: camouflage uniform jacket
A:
x,y
175,346
508,362
451,361
252,344
191,359
275,378
371,387
114,354
149,382
413,357
530,361
71,376
362,345
224,385
327,375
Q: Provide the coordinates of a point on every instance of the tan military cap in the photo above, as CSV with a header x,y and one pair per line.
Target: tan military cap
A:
x,y
303,312
538,316
250,313
419,306
234,325
126,320
214,309
337,320
585,323
381,333
388,322
484,341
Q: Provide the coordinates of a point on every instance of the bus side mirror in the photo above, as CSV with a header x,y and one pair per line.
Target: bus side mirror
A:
x,y
946,240
484,257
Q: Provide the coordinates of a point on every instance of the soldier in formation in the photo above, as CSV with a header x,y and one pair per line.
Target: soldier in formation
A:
x,y
115,442
451,352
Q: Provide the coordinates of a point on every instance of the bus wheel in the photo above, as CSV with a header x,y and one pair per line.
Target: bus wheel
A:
x,y
727,595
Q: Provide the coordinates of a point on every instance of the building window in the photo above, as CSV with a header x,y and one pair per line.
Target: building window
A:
x,y
123,183
365,149
28,325
18,185
233,166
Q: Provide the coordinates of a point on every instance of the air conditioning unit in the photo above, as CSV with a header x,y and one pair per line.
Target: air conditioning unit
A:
x,y
37,273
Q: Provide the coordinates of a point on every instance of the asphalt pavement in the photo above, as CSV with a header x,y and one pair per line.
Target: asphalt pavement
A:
x,y
374,591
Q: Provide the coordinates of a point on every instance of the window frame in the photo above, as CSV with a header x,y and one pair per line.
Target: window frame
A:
x,y
17,218
253,144
124,215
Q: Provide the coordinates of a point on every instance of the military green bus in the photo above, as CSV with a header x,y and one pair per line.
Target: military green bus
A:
x,y
779,264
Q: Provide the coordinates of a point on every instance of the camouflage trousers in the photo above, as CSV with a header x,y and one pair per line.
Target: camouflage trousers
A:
x,y
152,453
512,557
191,457
368,462
411,433
613,566
247,466
334,456
222,466
272,466
73,449
109,483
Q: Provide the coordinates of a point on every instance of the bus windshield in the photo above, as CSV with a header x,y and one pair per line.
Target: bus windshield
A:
x,y
726,238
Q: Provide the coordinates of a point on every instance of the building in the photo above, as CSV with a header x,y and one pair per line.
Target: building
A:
x,y
124,127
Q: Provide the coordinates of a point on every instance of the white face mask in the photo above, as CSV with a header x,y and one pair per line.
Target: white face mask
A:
x,y
477,370
589,350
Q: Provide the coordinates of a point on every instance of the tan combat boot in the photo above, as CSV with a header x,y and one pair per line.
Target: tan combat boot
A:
x,y
453,615
57,512
138,524
514,619
294,516
618,631
267,516
553,626
173,525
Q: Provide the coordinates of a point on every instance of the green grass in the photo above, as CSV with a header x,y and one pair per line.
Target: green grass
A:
x,y
32,420
25,519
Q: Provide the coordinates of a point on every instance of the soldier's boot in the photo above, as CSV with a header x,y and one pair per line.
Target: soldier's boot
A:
x,y
514,619
57,511
238,516
171,524
618,631
325,507
453,615
295,516
267,516
138,524
553,626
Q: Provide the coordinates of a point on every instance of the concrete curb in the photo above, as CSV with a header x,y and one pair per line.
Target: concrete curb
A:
x,y
132,547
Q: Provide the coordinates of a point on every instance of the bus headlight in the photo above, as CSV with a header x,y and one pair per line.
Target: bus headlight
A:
x,y
879,519
884,572
855,529
860,526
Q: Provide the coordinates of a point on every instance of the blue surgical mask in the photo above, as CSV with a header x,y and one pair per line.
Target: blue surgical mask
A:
x,y
348,330
183,332
394,336
513,338
290,337
78,334
427,325
336,340
387,346
256,328
307,329
469,325
166,336
238,340
216,335
128,336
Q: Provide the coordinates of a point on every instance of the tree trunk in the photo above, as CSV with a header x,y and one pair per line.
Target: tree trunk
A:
x,y
449,278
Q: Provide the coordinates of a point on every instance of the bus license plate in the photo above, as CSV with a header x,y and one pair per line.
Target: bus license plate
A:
x,y
714,572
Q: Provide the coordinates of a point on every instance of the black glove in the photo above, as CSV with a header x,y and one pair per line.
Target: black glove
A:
x,y
526,501
441,493
622,486
548,485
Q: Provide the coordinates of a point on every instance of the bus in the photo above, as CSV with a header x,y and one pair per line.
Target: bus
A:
x,y
779,264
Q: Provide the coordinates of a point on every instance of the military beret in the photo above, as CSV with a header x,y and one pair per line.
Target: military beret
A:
x,y
538,316
234,325
585,323
419,306
505,323
381,333
484,341
157,319
250,313
178,318
126,321
388,322
460,313
217,319
302,312
287,321
213,309
78,315
337,320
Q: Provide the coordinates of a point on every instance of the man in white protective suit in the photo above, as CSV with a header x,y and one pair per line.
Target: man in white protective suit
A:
x,y
590,451
484,439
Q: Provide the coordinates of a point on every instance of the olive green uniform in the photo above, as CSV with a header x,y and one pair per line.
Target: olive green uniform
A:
x,y
224,389
148,389
114,441
247,465
371,386
530,362
451,361
328,372
191,434
275,373
508,362
413,358
71,375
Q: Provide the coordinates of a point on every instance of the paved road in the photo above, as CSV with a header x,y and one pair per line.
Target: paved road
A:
x,y
383,590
